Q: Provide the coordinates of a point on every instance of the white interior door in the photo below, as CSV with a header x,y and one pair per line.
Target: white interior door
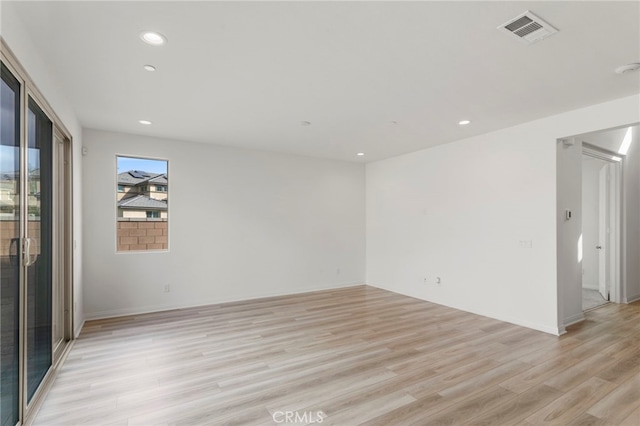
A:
x,y
603,224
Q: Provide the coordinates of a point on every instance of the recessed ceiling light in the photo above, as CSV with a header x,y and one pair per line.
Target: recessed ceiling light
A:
x,y
627,68
305,123
153,38
464,122
145,122
149,68
360,154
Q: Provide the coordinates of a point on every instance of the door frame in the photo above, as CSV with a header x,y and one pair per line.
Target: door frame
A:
x,y
63,235
604,227
615,247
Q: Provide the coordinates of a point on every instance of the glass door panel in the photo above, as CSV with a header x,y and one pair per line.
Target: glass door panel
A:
x,y
39,247
9,247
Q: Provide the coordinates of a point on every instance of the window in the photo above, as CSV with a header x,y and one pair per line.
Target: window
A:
x,y
142,213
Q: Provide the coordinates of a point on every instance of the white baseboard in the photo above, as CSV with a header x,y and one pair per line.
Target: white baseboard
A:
x,y
633,298
78,329
574,319
169,307
556,331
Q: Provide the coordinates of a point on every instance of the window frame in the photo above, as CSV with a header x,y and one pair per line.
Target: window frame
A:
x,y
138,190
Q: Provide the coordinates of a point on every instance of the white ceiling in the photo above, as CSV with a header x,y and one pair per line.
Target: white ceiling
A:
x,y
247,73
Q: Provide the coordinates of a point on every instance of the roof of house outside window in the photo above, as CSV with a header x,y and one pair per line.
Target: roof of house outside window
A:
x,y
159,179
142,202
136,177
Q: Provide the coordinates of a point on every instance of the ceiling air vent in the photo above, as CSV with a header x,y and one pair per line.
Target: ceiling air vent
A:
x,y
528,28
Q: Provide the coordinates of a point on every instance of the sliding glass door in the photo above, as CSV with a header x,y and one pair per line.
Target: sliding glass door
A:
x,y
10,247
35,290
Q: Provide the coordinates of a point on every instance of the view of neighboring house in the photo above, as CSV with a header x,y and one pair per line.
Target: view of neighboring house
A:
x,y
142,195
9,192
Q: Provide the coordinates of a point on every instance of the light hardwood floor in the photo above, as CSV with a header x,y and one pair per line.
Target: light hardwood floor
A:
x,y
358,355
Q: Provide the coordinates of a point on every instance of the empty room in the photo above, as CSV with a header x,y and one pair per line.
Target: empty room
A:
x,y
307,212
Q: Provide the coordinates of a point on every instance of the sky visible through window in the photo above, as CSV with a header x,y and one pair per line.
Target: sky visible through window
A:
x,y
141,164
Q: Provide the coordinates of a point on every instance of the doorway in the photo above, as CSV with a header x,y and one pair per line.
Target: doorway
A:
x,y
600,237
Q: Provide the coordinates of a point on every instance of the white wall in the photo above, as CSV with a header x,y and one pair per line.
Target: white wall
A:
x,y
20,43
242,224
631,189
459,211
590,215
569,266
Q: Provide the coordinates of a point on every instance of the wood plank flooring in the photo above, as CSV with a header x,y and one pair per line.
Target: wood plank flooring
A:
x,y
351,356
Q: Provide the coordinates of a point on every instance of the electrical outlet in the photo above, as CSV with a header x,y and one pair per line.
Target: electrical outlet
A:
x,y
338,271
167,288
